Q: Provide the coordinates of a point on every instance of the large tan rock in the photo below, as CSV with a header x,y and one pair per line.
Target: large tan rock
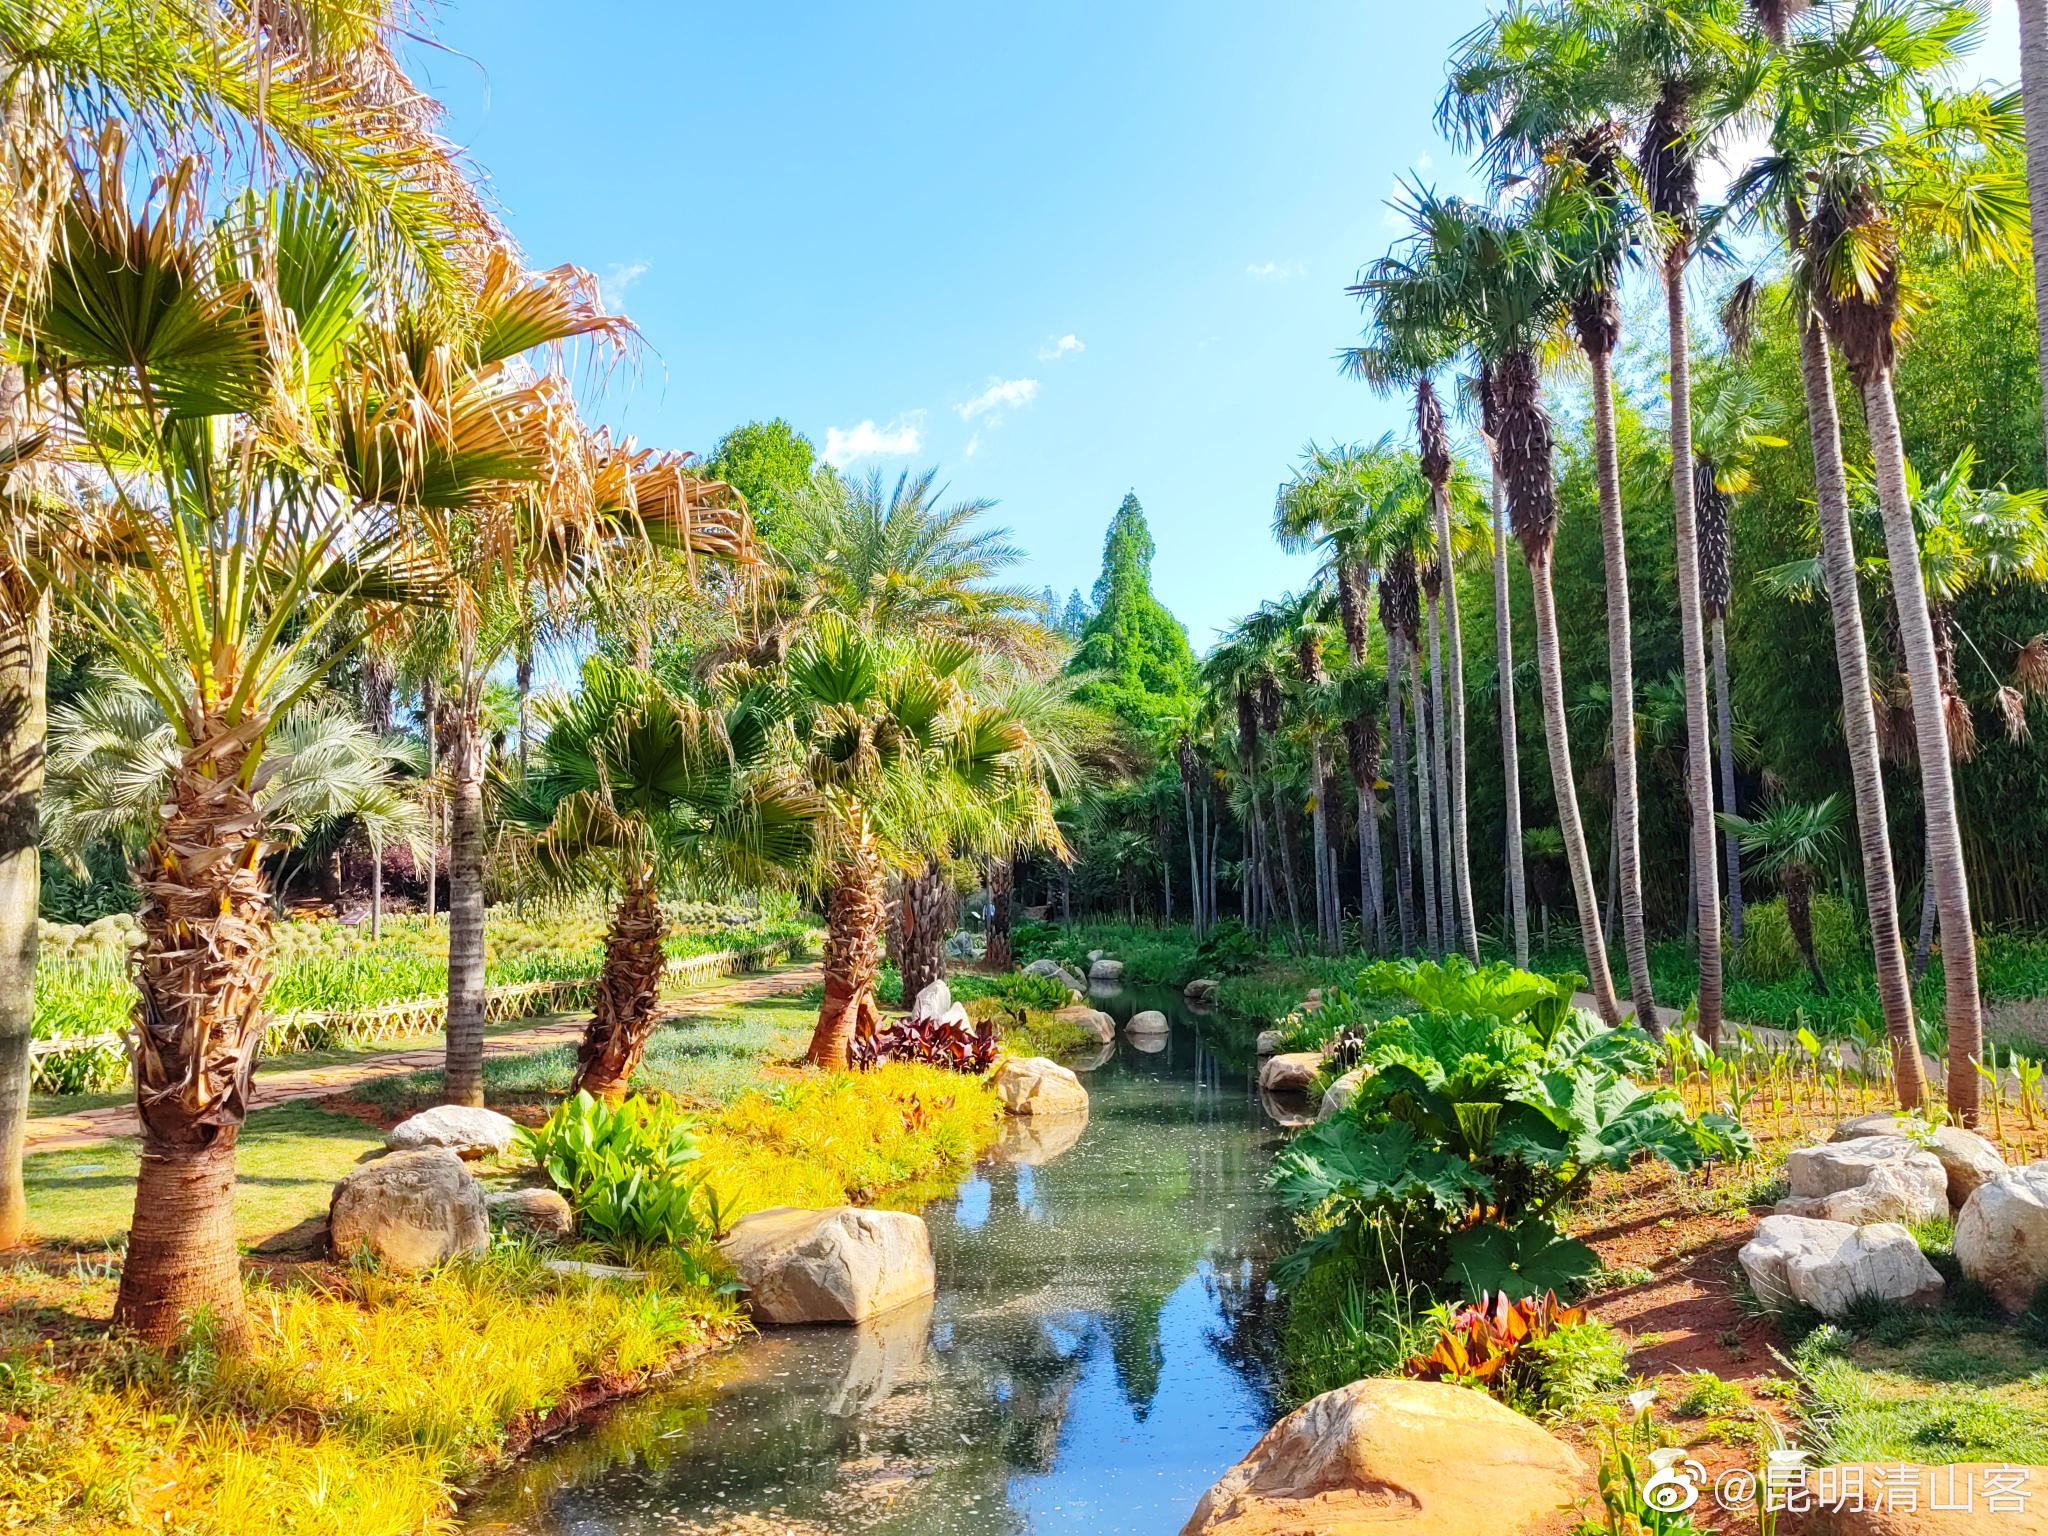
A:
x,y
1106,972
1831,1265
2002,1236
1290,1072
1150,1022
1201,992
1339,1095
832,1266
1033,1085
1093,1022
541,1213
1968,1159
409,1211
1404,1458
1268,1041
1900,1499
465,1129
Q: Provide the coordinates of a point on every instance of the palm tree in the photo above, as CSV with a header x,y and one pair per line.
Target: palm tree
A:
x,y
1504,662
2034,91
1303,628
1535,91
1793,840
178,82
637,787
1231,672
1860,151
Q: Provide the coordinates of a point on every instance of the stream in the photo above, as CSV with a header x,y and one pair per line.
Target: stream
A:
x,y
1101,1348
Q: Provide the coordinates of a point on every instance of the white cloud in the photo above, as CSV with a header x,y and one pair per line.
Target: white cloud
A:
x,y
899,440
1001,395
1425,163
1274,271
973,444
1065,346
619,277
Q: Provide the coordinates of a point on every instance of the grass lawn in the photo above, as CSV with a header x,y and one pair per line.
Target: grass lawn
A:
x,y
1942,1389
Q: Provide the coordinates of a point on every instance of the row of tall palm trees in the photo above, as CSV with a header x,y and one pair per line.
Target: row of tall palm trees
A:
x,y
1592,121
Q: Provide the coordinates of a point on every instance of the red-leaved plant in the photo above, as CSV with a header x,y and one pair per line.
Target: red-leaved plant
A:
x,y
1486,1344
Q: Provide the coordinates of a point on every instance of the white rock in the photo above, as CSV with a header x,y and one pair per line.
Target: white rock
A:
x,y
1052,968
934,1002
1033,1085
1269,1041
2002,1236
578,1269
1905,1190
1830,1265
1095,955
833,1266
409,1210
1290,1072
1107,973
1150,1022
1338,1096
1201,991
1968,1158
1817,1172
466,1130
542,1212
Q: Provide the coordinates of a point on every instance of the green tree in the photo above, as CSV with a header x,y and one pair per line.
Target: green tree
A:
x,y
775,467
1138,649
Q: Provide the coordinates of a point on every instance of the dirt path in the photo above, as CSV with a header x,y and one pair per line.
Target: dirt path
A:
x,y
51,1133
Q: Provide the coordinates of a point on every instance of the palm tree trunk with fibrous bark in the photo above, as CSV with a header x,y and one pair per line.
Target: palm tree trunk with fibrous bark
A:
x,y
1859,721
1510,745
1724,731
462,1077
1440,784
622,1017
1622,691
1425,827
1945,864
1404,851
1693,656
1454,639
430,725
24,734
1557,736
1001,953
927,900
853,955
2034,90
1282,835
200,975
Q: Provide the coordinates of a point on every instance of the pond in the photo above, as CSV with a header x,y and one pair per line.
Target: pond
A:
x,y
1100,1350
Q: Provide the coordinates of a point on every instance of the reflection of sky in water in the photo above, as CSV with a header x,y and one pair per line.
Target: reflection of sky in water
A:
x,y
1099,1352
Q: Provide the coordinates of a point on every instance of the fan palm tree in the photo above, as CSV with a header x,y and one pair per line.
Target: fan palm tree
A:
x,y
2034,93
1301,627
1861,151
1513,846
1535,91
1793,840
180,82
636,789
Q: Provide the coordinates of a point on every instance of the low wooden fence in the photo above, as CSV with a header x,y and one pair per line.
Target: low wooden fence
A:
x,y
54,1068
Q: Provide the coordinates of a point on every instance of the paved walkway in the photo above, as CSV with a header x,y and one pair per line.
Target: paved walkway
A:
x,y
52,1133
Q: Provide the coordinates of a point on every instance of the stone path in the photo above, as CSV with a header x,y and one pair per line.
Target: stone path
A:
x,y
52,1133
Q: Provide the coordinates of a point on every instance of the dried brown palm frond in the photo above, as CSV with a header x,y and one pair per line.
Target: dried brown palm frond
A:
x,y
1740,313
2012,709
1892,709
2030,672
1962,727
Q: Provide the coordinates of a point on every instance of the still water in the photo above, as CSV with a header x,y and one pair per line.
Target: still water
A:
x,y
1100,1349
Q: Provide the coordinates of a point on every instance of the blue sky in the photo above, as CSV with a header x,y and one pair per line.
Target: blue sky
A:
x,y
1061,250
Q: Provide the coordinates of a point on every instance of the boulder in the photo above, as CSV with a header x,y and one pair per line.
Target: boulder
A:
x,y
1059,973
409,1210
1313,1003
1969,1160
1096,1024
1106,973
1901,1499
1149,1022
1829,1265
1269,1041
1032,1140
934,1002
1095,955
1905,1190
541,1212
1289,1111
1032,1085
1400,1457
831,1266
965,946
2002,1236
1201,991
466,1130
1338,1096
1290,1072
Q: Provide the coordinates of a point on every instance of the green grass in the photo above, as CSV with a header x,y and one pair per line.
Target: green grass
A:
x,y
1938,1389
286,1166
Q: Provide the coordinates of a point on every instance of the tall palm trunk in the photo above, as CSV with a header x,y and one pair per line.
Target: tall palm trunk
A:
x,y
628,990
1404,850
1859,721
1319,838
1440,776
1195,897
1002,894
1454,639
1798,884
24,732
430,720
1284,836
200,977
853,948
1425,826
1621,685
1510,744
1724,731
1699,781
1362,741
376,892
2034,90
462,1078
1945,866
927,903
